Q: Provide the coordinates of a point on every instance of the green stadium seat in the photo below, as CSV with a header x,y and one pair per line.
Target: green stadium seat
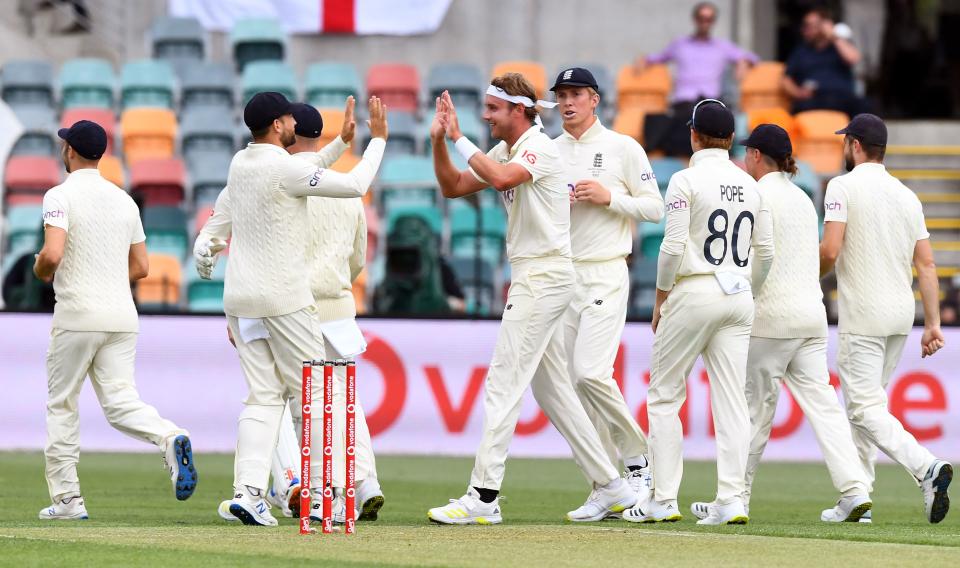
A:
x,y
651,235
464,239
205,296
741,124
407,180
206,84
166,230
257,39
39,136
269,76
643,287
464,81
178,41
328,84
27,83
430,214
147,83
203,131
208,175
471,126
807,179
24,224
404,133
664,168
87,83
477,282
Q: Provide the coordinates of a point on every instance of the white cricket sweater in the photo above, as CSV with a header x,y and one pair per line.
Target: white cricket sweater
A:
x,y
790,303
268,274
92,282
600,233
884,220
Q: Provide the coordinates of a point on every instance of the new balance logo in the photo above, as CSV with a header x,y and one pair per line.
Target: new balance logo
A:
x,y
598,302
261,507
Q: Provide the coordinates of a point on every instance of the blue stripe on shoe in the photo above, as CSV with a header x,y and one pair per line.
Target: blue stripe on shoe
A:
x,y
186,471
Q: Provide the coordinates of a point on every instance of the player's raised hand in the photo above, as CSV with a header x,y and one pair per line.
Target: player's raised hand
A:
x,y
453,125
931,341
438,128
590,191
378,118
349,128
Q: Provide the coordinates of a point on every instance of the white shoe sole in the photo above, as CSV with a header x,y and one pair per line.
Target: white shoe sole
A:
x,y
80,517
249,517
482,520
735,520
854,516
224,511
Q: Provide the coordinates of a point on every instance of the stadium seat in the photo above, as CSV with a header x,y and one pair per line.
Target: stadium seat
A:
x,y
475,277
257,39
465,239
208,175
532,70
629,121
651,235
178,41
23,224
148,133
404,132
103,117
649,90
160,290
39,136
200,217
772,115
397,85
202,130
166,229
464,81
664,168
807,180
158,181
27,83
328,84
360,292
206,84
430,214
741,131
111,168
269,76
147,83
761,87
816,142
643,287
206,296
87,83
27,178
407,180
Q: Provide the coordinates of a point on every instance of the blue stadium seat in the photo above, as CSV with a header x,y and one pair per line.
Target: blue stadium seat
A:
x,y
178,41
430,214
39,132
807,180
147,83
205,296
27,83
477,282
208,174
664,168
328,84
269,76
23,227
464,81
257,39
407,180
464,239
166,230
205,131
643,287
87,83
471,126
651,235
207,85
404,132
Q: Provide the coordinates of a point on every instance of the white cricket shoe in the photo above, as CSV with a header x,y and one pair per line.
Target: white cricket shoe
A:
x,y
653,512
867,517
641,483
340,508
729,514
615,497
848,510
251,508
178,459
224,511
68,509
700,509
467,510
369,499
936,502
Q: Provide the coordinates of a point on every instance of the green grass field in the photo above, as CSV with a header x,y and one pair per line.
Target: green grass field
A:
x,y
135,521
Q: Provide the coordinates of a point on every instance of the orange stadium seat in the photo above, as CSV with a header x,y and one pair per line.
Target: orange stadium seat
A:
x,y
629,121
773,115
816,142
533,71
27,178
648,91
161,287
345,163
397,85
148,133
160,181
761,87
111,168
332,123
103,117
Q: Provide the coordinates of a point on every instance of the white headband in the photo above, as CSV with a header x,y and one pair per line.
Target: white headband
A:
x,y
515,99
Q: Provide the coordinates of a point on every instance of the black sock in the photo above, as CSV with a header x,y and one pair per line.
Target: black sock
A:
x,y
487,495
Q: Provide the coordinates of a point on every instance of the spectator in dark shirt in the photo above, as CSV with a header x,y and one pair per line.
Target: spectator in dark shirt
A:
x,y
819,73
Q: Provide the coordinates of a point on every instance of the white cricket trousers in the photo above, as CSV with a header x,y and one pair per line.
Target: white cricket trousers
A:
x,y
865,365
593,324
530,352
273,369
697,319
108,357
802,364
286,458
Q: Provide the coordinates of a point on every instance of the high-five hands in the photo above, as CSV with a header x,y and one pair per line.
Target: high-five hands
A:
x,y
378,118
438,128
349,128
453,125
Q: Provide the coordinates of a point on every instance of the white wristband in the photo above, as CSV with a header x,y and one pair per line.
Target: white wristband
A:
x,y
466,148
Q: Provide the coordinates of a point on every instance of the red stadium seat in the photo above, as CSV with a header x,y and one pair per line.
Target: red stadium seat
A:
x,y
27,178
160,181
203,213
397,85
103,117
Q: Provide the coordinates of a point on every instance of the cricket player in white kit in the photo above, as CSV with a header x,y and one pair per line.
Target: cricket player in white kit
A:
x,y
337,251
612,187
789,338
93,248
874,233
706,278
525,167
271,311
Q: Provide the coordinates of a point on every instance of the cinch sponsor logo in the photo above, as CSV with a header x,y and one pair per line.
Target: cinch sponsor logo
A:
x,y
647,176
316,177
676,205
834,206
58,214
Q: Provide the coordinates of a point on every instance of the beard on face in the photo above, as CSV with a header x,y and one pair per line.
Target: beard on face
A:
x,y
66,162
288,138
848,160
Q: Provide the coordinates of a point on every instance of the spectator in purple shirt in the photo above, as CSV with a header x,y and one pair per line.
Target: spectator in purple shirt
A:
x,y
700,59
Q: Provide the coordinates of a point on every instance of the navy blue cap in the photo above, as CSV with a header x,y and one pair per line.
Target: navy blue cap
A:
x,y
87,138
575,77
712,118
771,140
867,128
309,121
263,108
